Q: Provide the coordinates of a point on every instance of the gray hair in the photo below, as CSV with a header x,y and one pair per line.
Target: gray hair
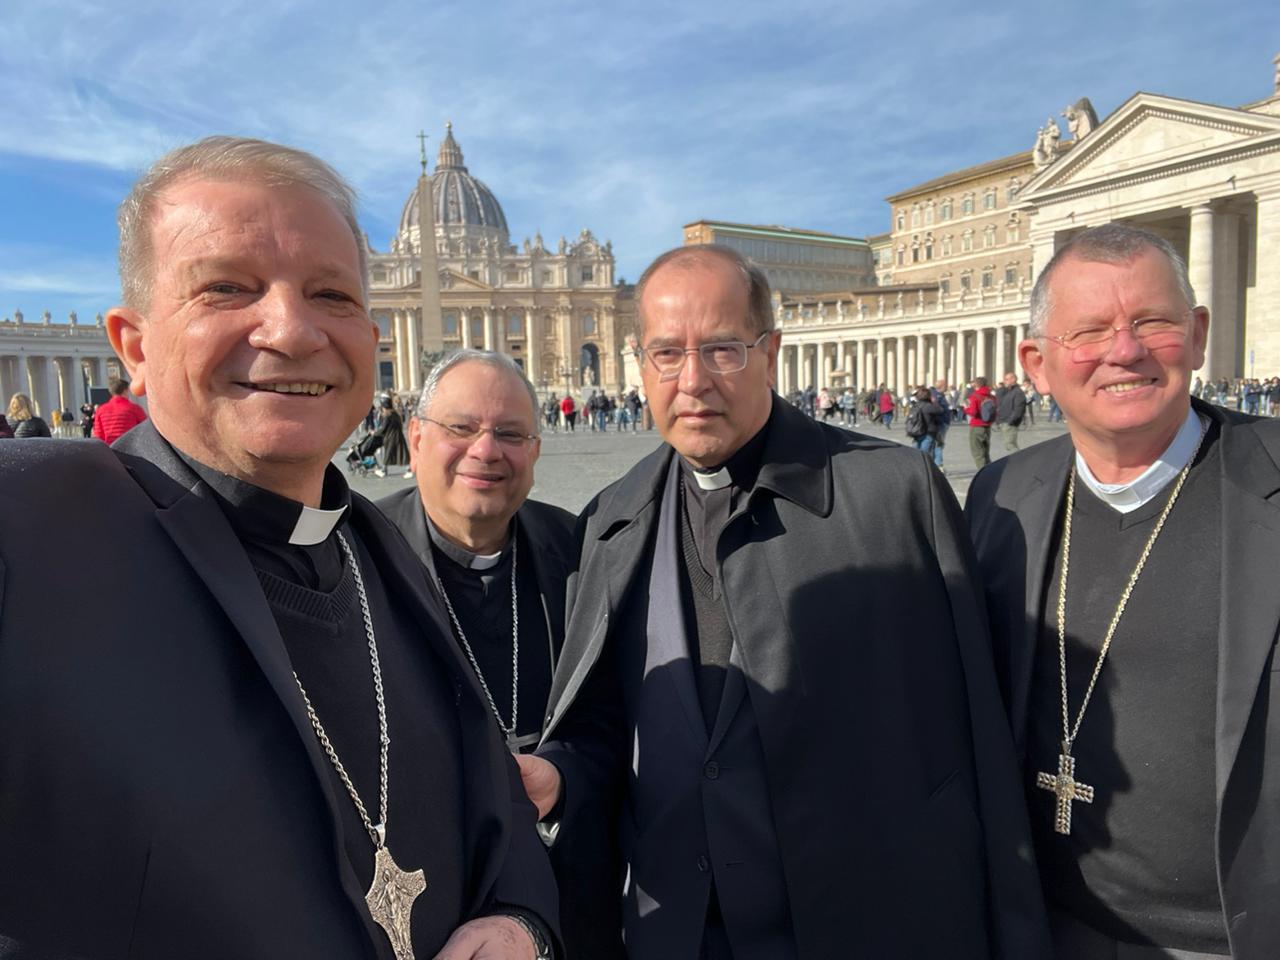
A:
x,y
759,298
491,358
223,158
1109,243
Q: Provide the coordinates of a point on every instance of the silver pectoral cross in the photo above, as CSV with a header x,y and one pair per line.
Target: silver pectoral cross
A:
x,y
390,899
1066,788
515,744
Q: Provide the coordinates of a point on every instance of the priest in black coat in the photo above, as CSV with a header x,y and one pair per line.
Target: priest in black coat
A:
x,y
251,735
1163,840
777,659
503,560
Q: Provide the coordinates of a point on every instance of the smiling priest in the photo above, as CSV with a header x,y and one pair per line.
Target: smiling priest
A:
x,y
255,737
1130,571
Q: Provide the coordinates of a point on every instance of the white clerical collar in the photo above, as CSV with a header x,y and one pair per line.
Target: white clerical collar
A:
x,y
1127,497
460,555
315,525
712,479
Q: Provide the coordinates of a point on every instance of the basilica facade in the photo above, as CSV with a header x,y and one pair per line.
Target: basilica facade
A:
x,y
556,310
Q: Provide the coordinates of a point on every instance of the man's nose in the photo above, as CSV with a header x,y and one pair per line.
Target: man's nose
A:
x,y
694,378
1125,348
289,324
485,446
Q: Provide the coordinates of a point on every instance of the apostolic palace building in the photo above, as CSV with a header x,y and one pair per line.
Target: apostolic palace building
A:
x,y
955,271
943,294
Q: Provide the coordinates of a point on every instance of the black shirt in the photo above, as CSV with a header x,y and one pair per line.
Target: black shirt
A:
x,y
313,598
704,515
481,599
1139,863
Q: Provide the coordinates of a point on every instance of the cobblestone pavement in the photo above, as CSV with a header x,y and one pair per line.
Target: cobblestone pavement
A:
x,y
574,467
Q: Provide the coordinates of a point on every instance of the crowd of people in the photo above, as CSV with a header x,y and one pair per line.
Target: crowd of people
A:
x,y
107,421
771,696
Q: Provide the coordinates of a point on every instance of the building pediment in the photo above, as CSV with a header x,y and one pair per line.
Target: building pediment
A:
x,y
452,280
1150,133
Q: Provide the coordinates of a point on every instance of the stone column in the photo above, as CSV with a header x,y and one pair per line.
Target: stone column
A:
x,y
464,329
97,372
567,348
860,363
38,384
415,349
1262,323
1200,271
488,328
1226,327
8,380
401,335
984,358
67,373
532,350
501,319
899,364
881,375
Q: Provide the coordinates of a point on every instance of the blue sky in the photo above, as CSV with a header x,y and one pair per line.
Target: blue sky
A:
x,y
629,119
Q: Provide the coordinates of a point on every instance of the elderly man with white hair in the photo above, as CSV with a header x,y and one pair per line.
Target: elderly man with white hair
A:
x,y
254,737
1130,576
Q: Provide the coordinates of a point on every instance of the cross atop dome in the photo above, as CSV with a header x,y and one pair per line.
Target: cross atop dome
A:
x,y
450,157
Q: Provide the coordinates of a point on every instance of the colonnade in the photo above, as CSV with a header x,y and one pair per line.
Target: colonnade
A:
x,y
53,363
897,358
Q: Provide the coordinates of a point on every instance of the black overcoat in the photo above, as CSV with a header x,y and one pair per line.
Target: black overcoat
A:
x,y
1012,507
162,793
590,921
864,645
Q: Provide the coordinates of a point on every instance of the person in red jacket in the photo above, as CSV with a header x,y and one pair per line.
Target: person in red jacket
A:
x,y
118,415
570,411
981,411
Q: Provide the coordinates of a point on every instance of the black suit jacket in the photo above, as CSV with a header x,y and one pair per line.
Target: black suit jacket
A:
x,y
162,793
586,872
1012,507
546,538
863,648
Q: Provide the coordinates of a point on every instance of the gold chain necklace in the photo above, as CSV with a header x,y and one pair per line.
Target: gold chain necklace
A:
x,y
1064,784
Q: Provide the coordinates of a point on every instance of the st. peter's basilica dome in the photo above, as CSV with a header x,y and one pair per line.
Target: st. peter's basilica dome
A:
x,y
458,199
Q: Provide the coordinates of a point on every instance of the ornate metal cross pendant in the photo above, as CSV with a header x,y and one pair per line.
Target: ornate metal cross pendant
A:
x,y
1066,788
390,899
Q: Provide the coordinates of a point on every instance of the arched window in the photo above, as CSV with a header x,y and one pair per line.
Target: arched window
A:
x,y
515,324
450,320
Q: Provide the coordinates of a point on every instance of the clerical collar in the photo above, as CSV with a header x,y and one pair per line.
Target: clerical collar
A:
x,y
460,556
268,517
1127,497
739,470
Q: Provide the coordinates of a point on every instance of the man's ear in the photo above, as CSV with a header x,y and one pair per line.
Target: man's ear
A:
x,y
415,433
1033,363
124,330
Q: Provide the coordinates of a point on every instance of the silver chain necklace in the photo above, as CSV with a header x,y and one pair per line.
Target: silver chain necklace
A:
x,y
514,742
393,890
1064,784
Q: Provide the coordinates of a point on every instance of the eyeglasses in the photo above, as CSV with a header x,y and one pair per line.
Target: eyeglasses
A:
x,y
727,356
1092,343
469,433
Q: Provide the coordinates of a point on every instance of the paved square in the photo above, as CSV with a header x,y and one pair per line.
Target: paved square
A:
x,y
574,467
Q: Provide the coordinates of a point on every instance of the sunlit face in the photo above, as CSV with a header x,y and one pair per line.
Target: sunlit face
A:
x,y
483,482
1132,389
256,353
705,416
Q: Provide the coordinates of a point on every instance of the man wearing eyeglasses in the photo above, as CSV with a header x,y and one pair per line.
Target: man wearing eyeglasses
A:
x,y
1130,578
777,679
500,561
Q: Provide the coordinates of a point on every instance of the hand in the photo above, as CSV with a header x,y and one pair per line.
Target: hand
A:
x,y
541,782
489,938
